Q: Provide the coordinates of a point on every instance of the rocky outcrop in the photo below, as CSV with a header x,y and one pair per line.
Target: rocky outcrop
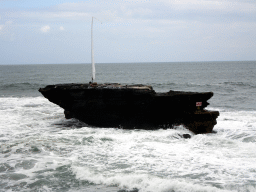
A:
x,y
132,106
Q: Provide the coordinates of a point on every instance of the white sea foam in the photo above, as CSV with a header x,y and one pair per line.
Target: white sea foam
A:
x,y
38,143
143,182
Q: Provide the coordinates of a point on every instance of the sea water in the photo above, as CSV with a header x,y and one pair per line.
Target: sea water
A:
x,y
42,151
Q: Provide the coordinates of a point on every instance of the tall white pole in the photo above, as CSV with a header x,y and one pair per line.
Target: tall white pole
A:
x,y
93,64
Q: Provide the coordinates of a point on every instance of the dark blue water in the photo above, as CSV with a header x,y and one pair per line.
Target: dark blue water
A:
x,y
42,151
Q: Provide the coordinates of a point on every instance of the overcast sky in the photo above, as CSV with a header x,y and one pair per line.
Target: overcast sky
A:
x,y
51,31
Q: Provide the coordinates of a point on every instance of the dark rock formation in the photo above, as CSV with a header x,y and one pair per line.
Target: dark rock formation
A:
x,y
186,136
132,106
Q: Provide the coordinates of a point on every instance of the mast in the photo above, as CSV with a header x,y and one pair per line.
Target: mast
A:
x,y
92,59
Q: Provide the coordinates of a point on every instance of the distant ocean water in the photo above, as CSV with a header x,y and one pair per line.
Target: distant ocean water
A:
x,y
42,151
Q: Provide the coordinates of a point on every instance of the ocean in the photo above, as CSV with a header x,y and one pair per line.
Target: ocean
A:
x,y
40,150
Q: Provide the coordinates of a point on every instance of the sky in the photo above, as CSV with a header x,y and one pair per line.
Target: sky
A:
x,y
59,31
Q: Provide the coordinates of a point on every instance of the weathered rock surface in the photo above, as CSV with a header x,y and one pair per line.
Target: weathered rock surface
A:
x,y
132,106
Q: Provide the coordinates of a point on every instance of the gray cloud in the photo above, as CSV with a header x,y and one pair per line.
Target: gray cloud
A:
x,y
203,29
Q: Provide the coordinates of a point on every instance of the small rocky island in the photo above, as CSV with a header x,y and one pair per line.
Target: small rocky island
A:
x,y
132,106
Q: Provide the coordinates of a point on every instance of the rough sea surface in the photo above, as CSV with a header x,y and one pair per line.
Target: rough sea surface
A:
x,y
42,151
